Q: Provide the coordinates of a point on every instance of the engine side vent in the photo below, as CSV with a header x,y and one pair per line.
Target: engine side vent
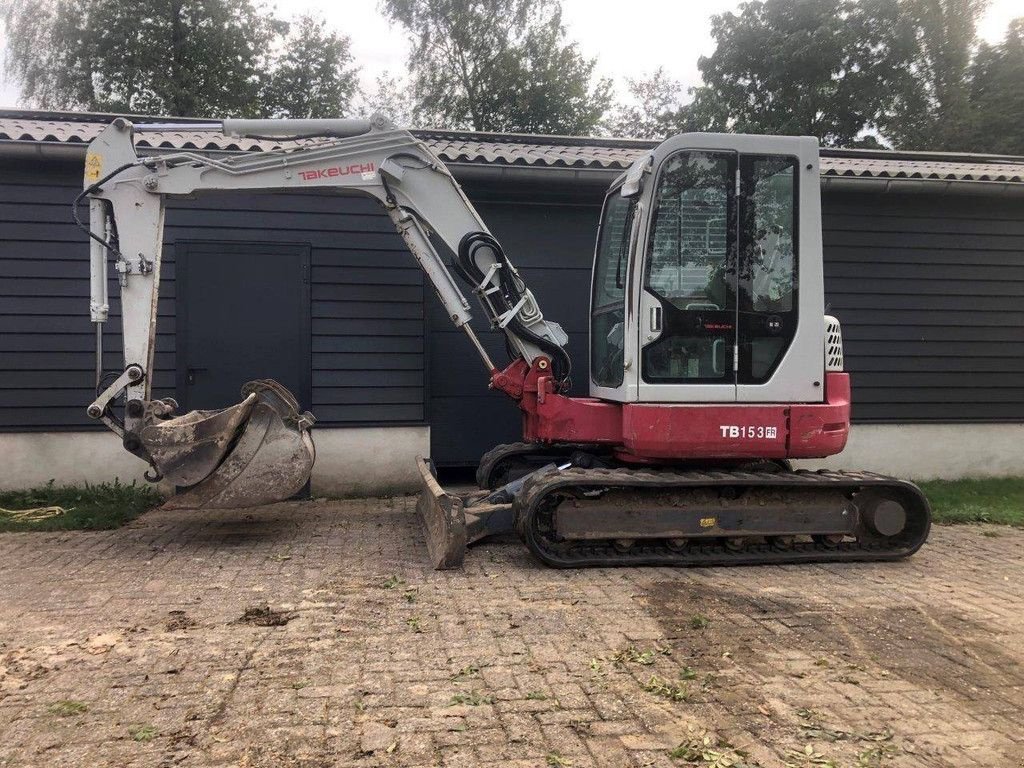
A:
x,y
833,344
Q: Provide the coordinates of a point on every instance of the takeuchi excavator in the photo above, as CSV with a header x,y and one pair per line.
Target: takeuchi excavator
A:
x,y
712,363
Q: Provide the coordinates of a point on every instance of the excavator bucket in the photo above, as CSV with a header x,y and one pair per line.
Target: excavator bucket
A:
x,y
257,452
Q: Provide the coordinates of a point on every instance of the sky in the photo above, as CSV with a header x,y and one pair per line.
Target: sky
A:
x,y
668,33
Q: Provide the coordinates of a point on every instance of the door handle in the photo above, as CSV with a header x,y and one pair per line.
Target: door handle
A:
x,y
655,319
190,375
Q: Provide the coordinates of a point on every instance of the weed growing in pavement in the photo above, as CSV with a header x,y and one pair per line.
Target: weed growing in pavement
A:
x,y
555,760
873,757
67,708
391,582
472,698
705,749
662,687
472,670
536,696
633,655
414,625
699,621
142,732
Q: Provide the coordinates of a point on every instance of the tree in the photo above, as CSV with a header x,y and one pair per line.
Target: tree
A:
x,y
929,106
391,98
499,65
655,109
828,73
174,57
996,95
313,76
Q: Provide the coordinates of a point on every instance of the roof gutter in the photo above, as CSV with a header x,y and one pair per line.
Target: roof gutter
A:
x,y
75,151
882,186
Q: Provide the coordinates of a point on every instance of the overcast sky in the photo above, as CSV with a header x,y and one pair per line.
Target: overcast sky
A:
x,y
629,39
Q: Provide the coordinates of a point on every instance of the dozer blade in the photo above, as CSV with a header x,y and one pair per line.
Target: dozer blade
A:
x,y
451,523
443,519
266,453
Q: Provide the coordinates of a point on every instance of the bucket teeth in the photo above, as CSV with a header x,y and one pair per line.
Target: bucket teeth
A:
x,y
257,452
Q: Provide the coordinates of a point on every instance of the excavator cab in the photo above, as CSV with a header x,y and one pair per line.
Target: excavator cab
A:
x,y
707,283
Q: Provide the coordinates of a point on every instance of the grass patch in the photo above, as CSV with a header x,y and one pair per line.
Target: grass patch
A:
x,y
67,708
996,500
472,698
89,507
142,732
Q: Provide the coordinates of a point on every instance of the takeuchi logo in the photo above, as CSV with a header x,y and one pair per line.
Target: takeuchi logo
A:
x,y
337,170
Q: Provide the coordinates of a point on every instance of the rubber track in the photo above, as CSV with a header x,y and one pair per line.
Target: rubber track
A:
x,y
490,460
534,519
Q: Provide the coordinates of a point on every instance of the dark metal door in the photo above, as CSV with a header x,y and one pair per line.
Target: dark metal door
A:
x,y
243,313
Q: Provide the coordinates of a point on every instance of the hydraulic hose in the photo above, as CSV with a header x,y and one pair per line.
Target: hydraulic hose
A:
x,y
510,292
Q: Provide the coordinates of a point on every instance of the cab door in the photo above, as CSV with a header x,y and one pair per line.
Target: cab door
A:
x,y
729,278
611,325
688,285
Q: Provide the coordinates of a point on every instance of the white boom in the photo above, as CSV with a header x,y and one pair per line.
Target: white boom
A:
x,y
127,196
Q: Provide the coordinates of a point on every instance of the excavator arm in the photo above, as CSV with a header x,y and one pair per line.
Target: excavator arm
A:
x,y
215,452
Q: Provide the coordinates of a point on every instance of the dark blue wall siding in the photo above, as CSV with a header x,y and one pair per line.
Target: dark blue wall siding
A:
x,y
930,290
367,300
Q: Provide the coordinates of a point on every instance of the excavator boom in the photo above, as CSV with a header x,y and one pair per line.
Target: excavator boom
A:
x,y
260,450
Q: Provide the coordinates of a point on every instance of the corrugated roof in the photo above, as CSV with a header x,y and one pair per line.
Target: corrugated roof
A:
x,y
524,150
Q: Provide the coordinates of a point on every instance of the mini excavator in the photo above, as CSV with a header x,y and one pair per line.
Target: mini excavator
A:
x,y
712,363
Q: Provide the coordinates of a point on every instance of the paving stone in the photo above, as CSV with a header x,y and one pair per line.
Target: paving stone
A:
x,y
140,631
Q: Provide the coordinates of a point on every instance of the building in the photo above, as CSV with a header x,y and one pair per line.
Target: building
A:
x,y
924,266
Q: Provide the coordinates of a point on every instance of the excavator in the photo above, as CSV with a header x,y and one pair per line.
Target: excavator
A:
x,y
712,362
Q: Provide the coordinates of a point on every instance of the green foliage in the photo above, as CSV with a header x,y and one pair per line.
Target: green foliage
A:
x,y
997,500
67,708
472,699
92,507
174,57
391,98
706,749
997,95
828,75
667,689
844,70
699,621
313,76
142,732
498,65
655,109
929,104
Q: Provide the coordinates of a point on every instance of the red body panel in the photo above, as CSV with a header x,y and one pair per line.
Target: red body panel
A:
x,y
664,431
705,431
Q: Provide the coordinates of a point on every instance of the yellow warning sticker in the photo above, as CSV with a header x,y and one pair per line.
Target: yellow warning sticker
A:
x,y
708,522
93,166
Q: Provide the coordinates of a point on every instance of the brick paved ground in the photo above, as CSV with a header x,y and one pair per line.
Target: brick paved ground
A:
x,y
129,647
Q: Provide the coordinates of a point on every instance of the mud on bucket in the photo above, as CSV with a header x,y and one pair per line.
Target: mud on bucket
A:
x,y
257,452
